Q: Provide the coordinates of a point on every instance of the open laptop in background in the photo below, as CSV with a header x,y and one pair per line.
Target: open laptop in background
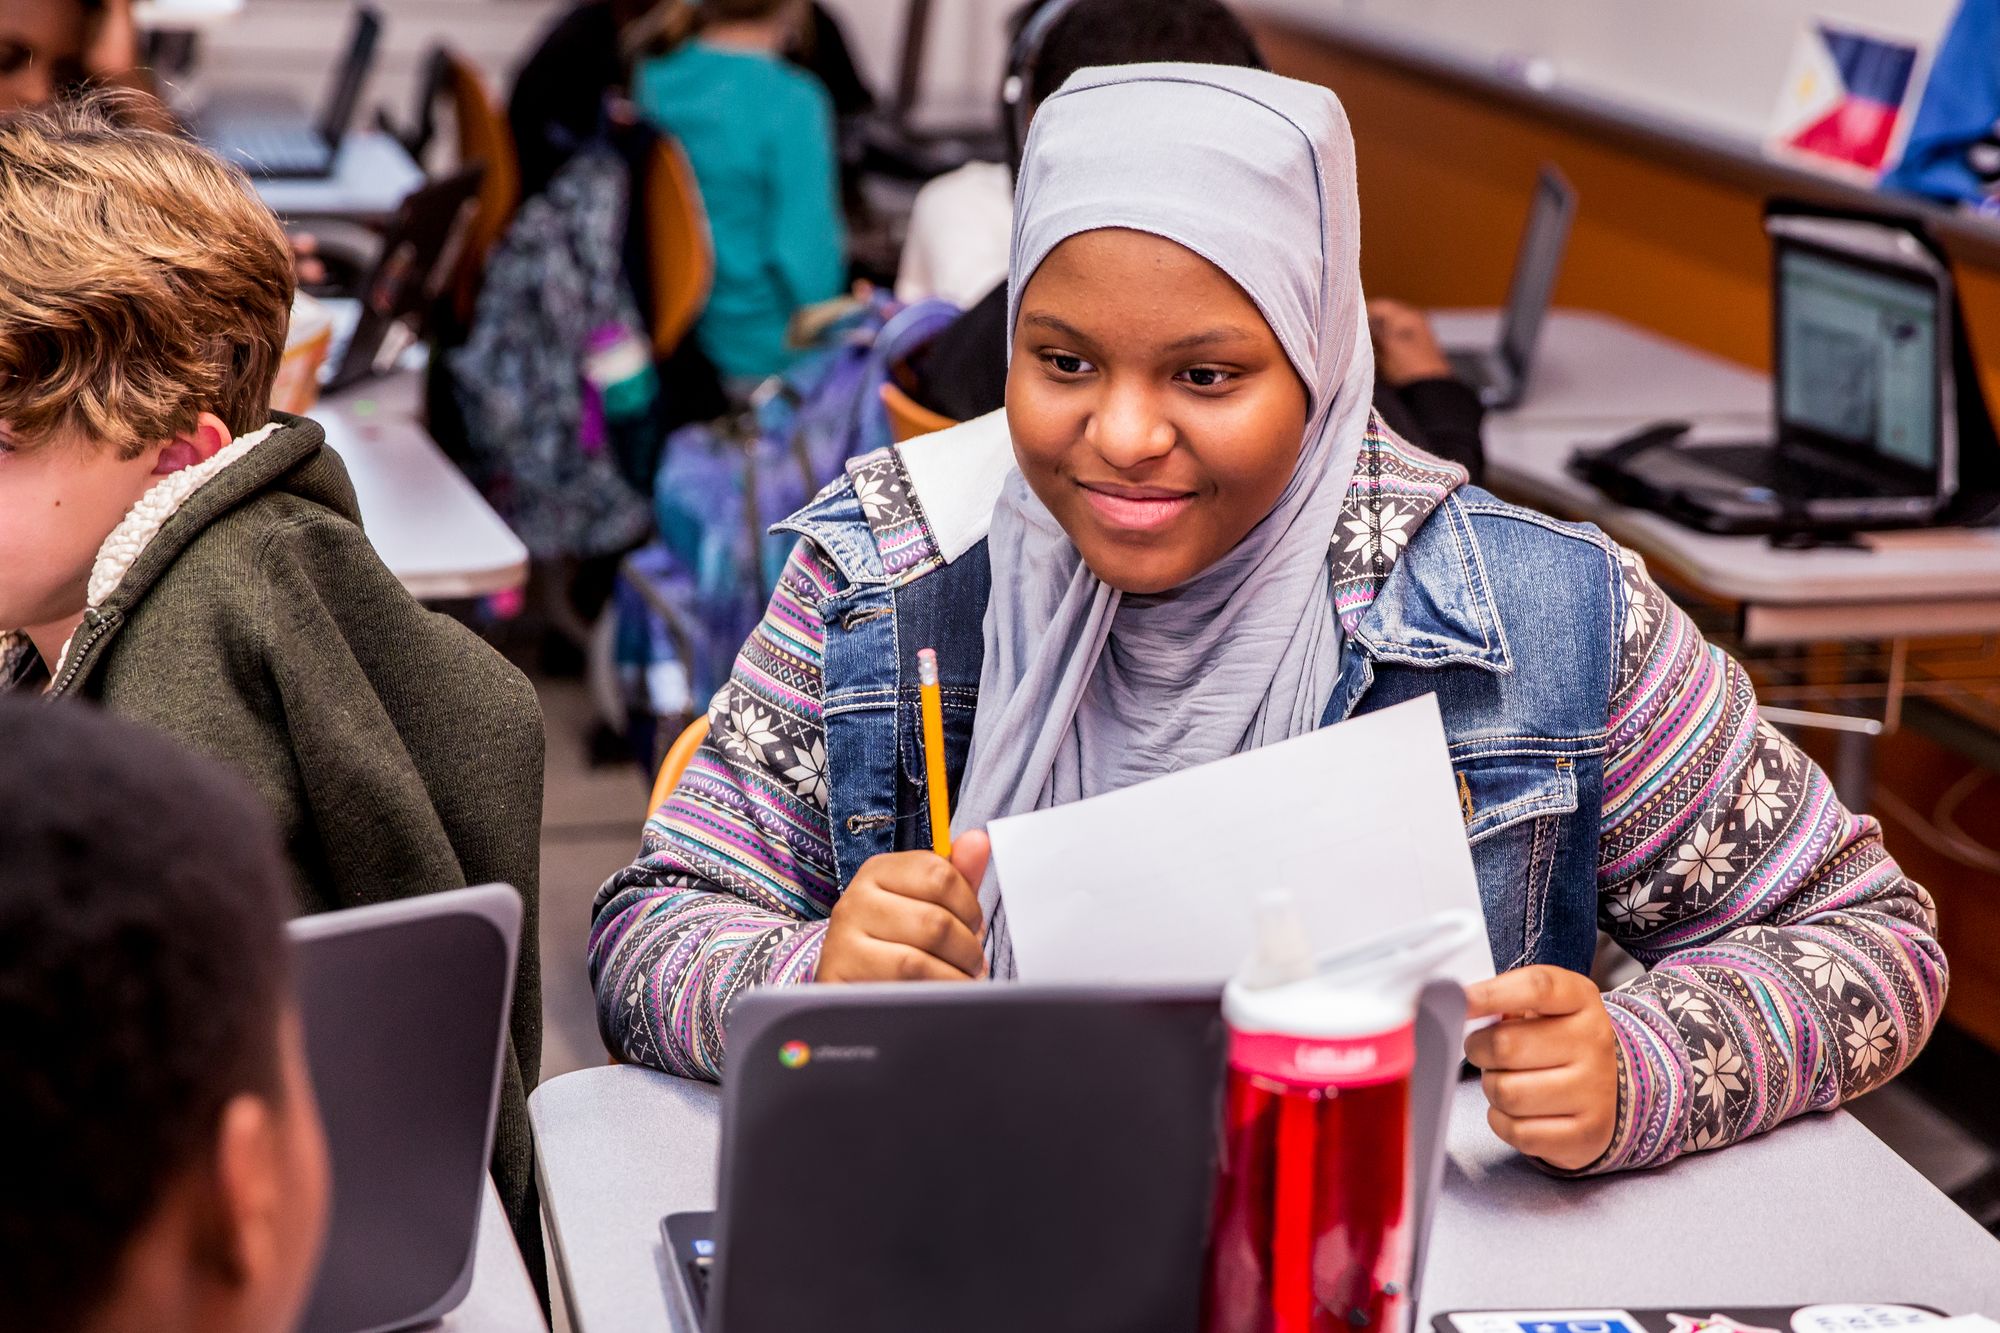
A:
x,y
286,145
1500,373
1865,398
376,325
404,1006
987,1159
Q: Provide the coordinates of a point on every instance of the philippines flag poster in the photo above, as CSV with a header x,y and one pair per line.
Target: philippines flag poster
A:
x,y
1843,102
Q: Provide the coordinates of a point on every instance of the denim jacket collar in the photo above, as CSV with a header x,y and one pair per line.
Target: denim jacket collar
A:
x,y
1435,605
956,475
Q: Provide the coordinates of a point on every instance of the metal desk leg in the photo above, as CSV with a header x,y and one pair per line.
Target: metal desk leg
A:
x,y
1855,737
1854,770
1854,749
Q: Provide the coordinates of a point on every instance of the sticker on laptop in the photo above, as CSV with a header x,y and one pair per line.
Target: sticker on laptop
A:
x,y
1547,1321
1858,1318
1715,1323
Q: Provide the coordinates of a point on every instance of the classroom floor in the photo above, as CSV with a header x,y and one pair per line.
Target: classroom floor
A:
x,y
590,827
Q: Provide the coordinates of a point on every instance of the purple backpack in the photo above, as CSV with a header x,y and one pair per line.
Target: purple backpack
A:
x,y
689,599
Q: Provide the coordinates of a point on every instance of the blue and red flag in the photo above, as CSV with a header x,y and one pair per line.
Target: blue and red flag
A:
x,y
1843,101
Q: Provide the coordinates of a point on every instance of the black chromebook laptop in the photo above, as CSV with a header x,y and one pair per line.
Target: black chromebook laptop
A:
x,y
1865,399
283,147
989,1159
376,325
1499,374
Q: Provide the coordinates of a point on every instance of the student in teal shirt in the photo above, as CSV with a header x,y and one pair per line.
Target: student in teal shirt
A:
x,y
760,136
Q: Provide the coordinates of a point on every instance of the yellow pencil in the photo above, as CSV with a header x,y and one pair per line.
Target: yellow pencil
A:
x,y
934,779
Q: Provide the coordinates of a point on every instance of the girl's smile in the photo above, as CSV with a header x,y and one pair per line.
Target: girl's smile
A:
x,y
1137,509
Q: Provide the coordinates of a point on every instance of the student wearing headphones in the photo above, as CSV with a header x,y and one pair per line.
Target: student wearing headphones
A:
x,y
961,223
1189,535
961,226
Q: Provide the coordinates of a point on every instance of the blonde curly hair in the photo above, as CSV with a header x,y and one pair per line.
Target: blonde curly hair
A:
x,y
142,282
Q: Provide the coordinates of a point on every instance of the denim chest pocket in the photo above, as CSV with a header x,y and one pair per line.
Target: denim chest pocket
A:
x,y
1514,808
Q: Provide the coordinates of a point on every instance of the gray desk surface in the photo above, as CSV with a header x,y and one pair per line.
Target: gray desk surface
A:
x,y
431,526
617,1149
371,177
502,1300
1819,1210
1592,368
1597,377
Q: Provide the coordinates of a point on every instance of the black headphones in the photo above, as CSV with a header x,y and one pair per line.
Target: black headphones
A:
x,y
1022,58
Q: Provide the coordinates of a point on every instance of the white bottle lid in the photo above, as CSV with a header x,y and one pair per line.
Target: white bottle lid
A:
x,y
1361,991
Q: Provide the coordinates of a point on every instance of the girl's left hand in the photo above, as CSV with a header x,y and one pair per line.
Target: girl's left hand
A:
x,y
1551,1063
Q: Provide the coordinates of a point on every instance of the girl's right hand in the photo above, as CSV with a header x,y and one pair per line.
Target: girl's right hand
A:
x,y
910,916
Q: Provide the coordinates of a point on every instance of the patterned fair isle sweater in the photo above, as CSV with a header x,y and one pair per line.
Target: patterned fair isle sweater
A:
x,y
1791,965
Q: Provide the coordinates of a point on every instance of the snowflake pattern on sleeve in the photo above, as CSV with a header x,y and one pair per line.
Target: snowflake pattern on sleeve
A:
x,y
735,876
1792,964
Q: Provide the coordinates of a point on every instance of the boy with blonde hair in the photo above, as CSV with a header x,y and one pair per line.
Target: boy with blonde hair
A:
x,y
173,550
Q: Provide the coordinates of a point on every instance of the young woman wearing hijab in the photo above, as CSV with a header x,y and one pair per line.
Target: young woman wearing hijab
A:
x,y
1188,535
962,373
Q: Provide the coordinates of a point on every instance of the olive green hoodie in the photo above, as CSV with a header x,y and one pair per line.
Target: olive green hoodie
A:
x,y
240,608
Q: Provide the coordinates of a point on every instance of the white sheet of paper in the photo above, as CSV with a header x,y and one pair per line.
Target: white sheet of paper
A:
x,y
1155,883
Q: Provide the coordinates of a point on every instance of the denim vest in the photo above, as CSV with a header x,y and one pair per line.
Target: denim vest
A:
x,y
1510,618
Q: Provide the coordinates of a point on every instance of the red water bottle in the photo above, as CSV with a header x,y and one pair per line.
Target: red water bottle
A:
x,y
1311,1228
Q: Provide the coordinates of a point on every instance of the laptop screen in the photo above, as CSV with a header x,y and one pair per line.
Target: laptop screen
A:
x,y
1858,357
1536,268
337,114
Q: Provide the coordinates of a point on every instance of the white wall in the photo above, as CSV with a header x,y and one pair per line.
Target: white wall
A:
x,y
290,45
1716,63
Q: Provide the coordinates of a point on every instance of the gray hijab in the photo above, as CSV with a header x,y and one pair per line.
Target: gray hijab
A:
x,y
1084,689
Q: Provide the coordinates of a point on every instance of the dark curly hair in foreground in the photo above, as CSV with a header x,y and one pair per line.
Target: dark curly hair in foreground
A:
x,y
143,894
